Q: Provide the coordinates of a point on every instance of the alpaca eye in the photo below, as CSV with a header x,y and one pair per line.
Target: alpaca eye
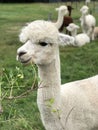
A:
x,y
43,43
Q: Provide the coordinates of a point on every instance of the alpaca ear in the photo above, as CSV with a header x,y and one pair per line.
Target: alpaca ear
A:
x,y
66,40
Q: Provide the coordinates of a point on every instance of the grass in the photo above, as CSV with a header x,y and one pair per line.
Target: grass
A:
x,y
15,79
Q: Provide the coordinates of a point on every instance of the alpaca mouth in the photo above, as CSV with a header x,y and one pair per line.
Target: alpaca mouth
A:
x,y
25,61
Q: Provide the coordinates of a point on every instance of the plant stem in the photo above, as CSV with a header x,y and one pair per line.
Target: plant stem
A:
x,y
11,91
1,109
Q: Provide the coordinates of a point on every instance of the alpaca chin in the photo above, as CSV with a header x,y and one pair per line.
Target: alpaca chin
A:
x,y
25,61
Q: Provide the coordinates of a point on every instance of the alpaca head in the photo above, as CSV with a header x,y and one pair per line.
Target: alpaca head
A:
x,y
70,8
42,41
84,9
72,27
63,10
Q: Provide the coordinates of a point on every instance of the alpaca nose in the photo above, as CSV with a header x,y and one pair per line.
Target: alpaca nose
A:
x,y
21,53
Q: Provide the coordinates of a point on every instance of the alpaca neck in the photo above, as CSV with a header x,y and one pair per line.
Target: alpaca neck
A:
x,y
49,86
84,18
74,33
69,13
59,22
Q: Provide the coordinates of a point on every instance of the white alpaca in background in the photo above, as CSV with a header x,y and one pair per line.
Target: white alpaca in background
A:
x,y
88,22
62,11
72,106
80,39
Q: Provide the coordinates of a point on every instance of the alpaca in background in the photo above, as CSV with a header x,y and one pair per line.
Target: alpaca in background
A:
x,y
62,11
80,39
88,22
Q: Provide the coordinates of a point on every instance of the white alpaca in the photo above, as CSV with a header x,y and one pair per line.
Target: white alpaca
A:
x,y
80,39
72,106
88,22
62,11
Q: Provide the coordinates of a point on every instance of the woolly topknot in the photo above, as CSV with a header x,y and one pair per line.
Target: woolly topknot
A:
x,y
39,30
63,7
84,9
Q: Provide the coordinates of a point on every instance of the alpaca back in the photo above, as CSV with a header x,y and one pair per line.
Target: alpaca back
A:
x,y
82,39
87,87
82,104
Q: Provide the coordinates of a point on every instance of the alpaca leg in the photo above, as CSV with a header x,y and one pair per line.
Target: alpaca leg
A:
x,y
83,30
91,33
93,38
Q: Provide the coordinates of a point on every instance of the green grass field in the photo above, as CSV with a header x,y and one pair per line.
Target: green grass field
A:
x,y
21,112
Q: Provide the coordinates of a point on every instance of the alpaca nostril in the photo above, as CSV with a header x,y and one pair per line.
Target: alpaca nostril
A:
x,y
21,53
